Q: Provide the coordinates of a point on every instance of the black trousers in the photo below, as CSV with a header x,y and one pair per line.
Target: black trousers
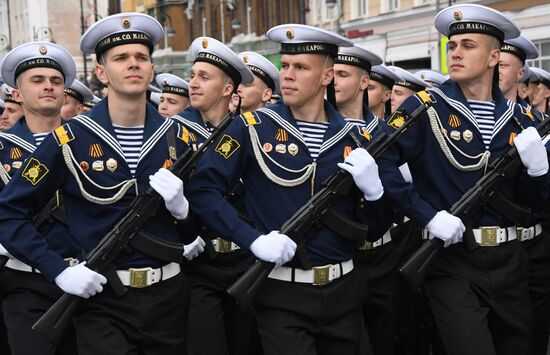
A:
x,y
379,310
146,321
4,347
480,299
538,250
303,319
218,326
25,298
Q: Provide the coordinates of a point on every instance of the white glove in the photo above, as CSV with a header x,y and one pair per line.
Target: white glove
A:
x,y
193,249
80,281
532,152
364,170
4,252
406,172
446,227
170,187
274,247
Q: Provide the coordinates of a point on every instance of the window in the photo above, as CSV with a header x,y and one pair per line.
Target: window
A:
x,y
423,2
543,61
328,14
359,8
389,5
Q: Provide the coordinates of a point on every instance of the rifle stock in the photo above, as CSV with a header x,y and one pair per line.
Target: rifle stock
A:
x,y
3,261
54,322
335,187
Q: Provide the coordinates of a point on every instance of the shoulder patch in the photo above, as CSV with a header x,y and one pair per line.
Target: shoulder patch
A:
x,y
63,134
227,146
425,96
250,119
184,134
396,120
34,171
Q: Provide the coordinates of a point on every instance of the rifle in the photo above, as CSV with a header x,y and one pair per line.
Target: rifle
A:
x,y
125,234
334,188
480,196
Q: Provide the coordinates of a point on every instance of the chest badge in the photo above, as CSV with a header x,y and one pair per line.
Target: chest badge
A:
x,y
97,165
455,135
15,153
95,151
280,148
454,121
84,165
111,164
468,136
268,147
282,135
292,149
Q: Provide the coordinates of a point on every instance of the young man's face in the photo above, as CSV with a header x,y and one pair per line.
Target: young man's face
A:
x,y
349,81
40,90
378,94
398,95
207,85
254,95
71,107
470,55
171,104
127,69
302,76
510,71
540,94
12,112
523,90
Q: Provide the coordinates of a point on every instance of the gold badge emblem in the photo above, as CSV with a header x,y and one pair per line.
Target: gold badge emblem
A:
x,y
268,147
396,120
282,135
245,59
530,115
126,24
454,121
16,164
15,153
289,33
365,133
422,76
95,151
292,149
511,140
347,150
167,164
97,165
227,146
204,43
111,165
43,50
84,165
458,15
455,135
7,168
468,135
280,148
34,171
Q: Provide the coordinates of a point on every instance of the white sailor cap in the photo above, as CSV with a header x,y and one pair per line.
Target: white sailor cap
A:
x,y
359,57
119,29
521,47
79,91
408,80
91,103
212,51
172,84
526,73
539,75
383,75
472,18
431,77
304,39
155,97
1,103
153,88
7,94
38,55
263,68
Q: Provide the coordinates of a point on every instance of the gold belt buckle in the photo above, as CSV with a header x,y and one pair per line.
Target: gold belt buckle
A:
x,y
489,236
321,274
138,277
367,245
519,233
224,246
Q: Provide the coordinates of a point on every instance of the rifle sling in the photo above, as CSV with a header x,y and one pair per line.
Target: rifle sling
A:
x,y
345,227
158,248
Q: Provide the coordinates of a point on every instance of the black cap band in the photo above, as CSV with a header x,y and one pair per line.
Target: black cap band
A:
x,y
175,90
89,104
120,38
384,80
222,64
9,98
352,60
414,87
262,75
518,52
37,63
432,83
309,48
75,94
475,27
542,81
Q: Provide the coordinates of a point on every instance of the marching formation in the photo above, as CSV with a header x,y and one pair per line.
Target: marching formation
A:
x,y
333,206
